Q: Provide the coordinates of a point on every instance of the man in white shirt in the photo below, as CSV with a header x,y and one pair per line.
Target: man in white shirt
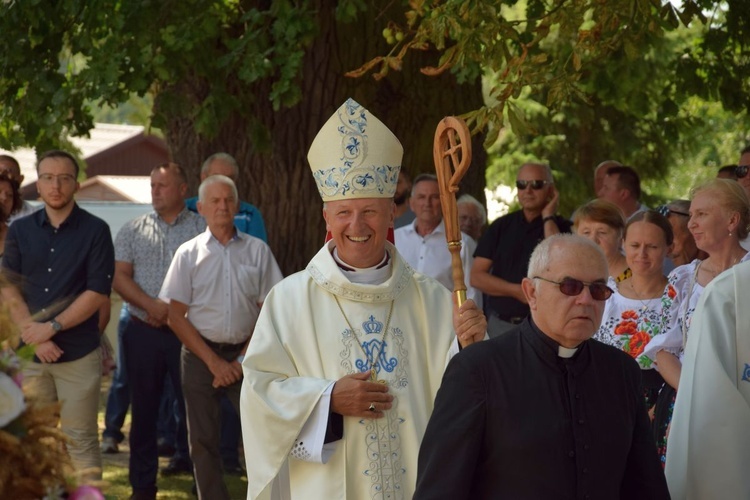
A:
x,y
215,287
422,243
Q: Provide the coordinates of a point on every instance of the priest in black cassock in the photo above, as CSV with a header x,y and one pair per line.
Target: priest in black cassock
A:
x,y
544,411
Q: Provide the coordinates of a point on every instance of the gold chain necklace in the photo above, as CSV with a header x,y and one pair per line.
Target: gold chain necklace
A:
x,y
638,295
373,362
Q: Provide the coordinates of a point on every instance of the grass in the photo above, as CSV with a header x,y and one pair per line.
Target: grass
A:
x,y
175,487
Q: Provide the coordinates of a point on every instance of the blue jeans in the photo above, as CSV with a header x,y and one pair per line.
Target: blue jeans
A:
x,y
118,399
152,354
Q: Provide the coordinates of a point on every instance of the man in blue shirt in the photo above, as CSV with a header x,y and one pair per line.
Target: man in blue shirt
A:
x,y
248,219
63,261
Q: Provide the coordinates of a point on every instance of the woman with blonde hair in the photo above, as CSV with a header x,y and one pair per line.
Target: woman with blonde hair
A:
x,y
603,223
719,219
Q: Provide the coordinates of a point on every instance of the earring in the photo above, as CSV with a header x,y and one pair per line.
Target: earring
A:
x,y
730,234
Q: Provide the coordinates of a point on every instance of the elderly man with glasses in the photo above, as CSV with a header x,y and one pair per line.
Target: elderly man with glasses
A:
x,y
544,411
503,251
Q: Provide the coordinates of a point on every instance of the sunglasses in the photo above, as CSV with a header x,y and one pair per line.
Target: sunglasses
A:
x,y
573,287
741,171
535,185
665,211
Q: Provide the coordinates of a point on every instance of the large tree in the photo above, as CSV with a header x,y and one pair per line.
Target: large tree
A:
x,y
255,79
581,81
258,78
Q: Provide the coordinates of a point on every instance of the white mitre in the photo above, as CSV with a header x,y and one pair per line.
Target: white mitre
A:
x,y
355,156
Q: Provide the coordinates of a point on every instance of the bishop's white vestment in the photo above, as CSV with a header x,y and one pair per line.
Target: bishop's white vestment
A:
x,y
709,442
302,344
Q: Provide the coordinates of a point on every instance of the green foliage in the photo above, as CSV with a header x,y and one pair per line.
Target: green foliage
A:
x,y
582,81
135,111
59,57
577,81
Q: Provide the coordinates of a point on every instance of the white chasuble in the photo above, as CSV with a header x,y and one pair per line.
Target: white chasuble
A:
x,y
708,449
302,343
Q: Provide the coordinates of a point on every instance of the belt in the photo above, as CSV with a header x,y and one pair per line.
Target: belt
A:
x,y
221,346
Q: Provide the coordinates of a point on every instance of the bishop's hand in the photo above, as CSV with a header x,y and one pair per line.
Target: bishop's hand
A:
x,y
354,395
469,322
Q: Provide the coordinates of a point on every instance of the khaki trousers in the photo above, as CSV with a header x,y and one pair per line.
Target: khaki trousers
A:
x,y
77,384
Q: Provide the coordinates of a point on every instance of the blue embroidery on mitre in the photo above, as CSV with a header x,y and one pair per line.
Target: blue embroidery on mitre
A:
x,y
356,173
746,373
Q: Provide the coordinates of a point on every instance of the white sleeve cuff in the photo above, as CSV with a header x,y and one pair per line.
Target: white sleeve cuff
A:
x,y
309,445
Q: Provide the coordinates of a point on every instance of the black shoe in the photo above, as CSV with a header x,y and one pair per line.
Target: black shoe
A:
x,y
165,449
176,467
143,495
109,446
233,469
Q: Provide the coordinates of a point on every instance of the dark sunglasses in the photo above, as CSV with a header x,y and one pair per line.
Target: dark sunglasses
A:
x,y
741,171
665,211
535,185
573,287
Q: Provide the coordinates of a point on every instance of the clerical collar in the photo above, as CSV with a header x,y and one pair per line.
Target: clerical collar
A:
x,y
375,275
562,352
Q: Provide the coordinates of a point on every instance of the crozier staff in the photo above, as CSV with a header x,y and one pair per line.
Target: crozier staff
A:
x,y
452,159
347,355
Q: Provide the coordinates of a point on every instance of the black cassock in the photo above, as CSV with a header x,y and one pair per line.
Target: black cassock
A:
x,y
514,420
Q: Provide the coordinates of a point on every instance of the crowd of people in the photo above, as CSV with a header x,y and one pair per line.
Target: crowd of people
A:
x,y
601,356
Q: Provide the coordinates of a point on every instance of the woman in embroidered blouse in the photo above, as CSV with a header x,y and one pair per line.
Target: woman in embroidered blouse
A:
x,y
719,218
602,222
632,314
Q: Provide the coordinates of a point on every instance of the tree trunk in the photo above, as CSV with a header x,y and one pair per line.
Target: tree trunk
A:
x,y
276,177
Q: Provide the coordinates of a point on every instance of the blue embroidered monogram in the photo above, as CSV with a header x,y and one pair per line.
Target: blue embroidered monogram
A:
x,y
372,348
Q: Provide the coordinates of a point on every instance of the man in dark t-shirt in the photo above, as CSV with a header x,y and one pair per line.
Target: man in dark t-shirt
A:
x,y
503,252
62,259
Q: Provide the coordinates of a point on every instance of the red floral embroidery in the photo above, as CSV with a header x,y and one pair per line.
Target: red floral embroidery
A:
x,y
626,328
638,343
629,314
671,292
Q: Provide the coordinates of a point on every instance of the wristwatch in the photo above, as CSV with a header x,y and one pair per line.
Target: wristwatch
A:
x,y
56,326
